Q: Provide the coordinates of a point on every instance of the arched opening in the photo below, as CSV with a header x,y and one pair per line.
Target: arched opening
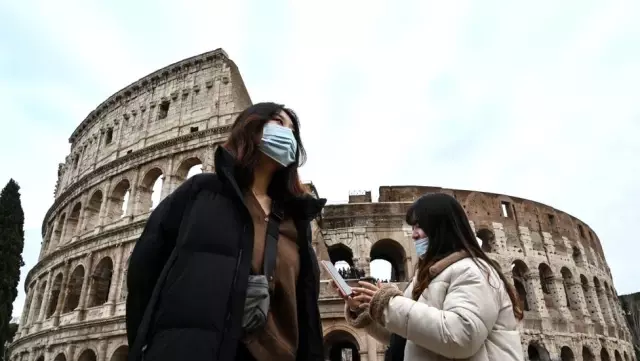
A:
x,y
92,211
341,346
577,256
74,288
41,358
626,356
56,288
392,252
189,168
120,354
519,272
342,258
602,299
72,222
60,357
537,352
587,355
88,355
150,190
119,201
566,354
617,355
567,283
604,355
38,301
547,283
488,239
56,238
101,282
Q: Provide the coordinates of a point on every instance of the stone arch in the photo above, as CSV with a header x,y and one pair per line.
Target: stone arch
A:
x,y
88,355
488,239
101,282
42,287
150,189
601,294
519,274
392,252
72,222
120,354
566,354
118,201
56,288
617,355
60,357
604,355
592,305
40,358
340,345
576,254
537,352
546,278
74,289
92,211
341,255
56,238
626,356
587,354
572,297
188,168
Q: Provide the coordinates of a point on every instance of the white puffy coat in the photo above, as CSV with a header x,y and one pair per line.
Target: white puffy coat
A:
x,y
462,315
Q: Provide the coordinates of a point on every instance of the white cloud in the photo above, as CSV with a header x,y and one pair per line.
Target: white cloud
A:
x,y
535,100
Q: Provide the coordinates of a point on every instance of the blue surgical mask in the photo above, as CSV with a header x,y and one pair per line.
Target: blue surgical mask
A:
x,y
279,144
421,246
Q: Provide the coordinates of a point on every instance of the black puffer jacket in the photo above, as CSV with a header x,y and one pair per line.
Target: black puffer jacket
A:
x,y
203,233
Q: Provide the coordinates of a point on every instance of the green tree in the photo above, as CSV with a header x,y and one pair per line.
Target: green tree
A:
x,y
11,246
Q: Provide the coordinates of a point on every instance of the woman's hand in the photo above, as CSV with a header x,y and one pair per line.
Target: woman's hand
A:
x,y
366,292
354,305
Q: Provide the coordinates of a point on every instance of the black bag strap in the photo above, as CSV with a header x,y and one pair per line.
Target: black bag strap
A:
x,y
271,241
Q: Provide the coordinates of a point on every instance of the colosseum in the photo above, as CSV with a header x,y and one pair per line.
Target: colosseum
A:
x,y
142,142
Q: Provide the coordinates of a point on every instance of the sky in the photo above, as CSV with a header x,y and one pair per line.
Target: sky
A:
x,y
532,99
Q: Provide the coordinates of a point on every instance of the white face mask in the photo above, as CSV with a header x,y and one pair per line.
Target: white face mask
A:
x,y
421,246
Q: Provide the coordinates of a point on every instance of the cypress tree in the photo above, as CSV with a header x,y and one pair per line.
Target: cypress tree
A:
x,y
11,246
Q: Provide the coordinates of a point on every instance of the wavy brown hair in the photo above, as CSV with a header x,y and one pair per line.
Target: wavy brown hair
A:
x,y
444,221
246,133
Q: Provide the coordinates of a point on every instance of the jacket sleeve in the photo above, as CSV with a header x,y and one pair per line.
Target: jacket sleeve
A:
x,y
150,254
362,319
457,331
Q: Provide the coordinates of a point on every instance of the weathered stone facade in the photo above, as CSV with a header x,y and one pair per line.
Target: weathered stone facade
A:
x,y
170,121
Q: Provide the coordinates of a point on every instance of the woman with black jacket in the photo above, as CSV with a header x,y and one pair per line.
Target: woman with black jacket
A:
x,y
189,277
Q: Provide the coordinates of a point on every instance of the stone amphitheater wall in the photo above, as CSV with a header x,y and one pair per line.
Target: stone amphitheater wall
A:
x,y
163,125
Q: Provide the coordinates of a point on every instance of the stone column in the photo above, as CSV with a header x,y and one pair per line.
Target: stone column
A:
x,y
104,206
32,310
208,161
132,208
534,293
102,350
560,297
596,315
115,279
63,231
580,304
45,298
372,348
62,297
86,283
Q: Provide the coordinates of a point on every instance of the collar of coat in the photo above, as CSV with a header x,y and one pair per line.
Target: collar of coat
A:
x,y
442,264
304,207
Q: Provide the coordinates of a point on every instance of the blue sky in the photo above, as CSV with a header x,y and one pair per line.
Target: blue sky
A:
x,y
537,100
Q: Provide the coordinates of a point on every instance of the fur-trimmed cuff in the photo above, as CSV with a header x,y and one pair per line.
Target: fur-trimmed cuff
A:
x,y
380,300
358,319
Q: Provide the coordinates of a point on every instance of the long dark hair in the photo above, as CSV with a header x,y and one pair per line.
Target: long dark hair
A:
x,y
245,137
444,221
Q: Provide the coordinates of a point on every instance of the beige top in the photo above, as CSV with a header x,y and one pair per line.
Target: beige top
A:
x,y
279,339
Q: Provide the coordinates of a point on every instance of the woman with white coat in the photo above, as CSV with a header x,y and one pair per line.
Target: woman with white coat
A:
x,y
459,305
